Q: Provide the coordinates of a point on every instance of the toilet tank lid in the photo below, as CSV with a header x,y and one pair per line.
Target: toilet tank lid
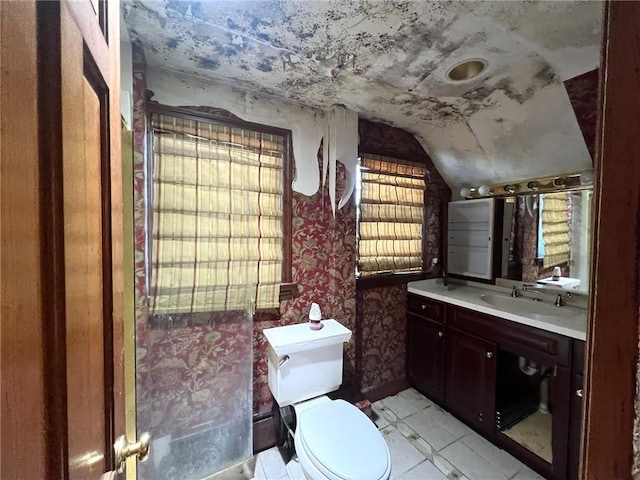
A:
x,y
294,338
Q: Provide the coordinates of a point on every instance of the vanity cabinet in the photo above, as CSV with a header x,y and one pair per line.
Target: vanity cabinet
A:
x,y
471,378
575,419
425,346
471,363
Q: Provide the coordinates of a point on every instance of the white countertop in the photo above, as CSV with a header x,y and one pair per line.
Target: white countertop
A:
x,y
571,321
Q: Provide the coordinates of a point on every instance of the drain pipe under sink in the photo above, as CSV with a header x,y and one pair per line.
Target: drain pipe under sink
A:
x,y
530,369
526,367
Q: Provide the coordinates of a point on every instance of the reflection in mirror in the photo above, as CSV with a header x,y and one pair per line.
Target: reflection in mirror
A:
x,y
546,235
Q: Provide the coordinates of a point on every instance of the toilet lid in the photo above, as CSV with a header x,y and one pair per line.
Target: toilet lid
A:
x,y
341,440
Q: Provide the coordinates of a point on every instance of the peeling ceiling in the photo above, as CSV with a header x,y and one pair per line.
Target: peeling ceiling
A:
x,y
388,61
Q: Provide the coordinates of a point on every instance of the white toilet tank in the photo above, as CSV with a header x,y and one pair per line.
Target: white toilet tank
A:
x,y
305,363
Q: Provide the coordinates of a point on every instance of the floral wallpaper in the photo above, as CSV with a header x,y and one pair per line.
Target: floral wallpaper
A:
x,y
382,328
381,311
323,267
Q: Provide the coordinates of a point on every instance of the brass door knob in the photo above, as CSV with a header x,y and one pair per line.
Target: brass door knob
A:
x,y
123,450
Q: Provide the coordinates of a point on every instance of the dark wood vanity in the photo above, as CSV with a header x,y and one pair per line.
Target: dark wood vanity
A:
x,y
468,362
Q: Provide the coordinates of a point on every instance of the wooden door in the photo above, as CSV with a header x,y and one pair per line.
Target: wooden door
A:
x,y
425,356
61,238
471,378
90,151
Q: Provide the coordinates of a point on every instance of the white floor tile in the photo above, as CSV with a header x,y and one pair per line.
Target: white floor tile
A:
x,y
448,421
470,463
379,419
526,473
294,470
405,430
258,472
404,456
400,406
272,464
443,465
422,445
501,460
425,471
416,398
433,432
389,415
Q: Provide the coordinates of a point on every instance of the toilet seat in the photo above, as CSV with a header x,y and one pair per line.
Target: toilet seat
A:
x,y
341,442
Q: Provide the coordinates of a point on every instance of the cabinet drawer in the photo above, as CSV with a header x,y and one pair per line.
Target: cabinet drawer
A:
x,y
512,336
426,307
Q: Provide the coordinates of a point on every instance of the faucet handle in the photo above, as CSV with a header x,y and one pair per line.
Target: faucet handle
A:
x,y
514,291
559,301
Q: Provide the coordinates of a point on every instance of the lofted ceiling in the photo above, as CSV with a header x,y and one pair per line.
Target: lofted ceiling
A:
x,y
388,61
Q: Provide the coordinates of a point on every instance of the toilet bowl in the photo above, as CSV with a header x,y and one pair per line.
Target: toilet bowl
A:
x,y
333,439
336,441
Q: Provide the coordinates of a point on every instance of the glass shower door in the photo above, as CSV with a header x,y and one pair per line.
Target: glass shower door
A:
x,y
194,393
194,326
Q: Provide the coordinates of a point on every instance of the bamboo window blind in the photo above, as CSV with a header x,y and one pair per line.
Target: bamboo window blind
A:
x,y
555,229
217,235
391,215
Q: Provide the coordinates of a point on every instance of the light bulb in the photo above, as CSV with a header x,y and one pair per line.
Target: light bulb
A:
x,y
465,192
484,190
586,178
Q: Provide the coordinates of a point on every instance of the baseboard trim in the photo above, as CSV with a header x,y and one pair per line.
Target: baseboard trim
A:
x,y
387,389
264,433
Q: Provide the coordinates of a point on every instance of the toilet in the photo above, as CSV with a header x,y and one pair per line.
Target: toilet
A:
x,y
333,439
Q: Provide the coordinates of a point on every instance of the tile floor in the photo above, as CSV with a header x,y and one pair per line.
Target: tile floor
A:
x,y
425,442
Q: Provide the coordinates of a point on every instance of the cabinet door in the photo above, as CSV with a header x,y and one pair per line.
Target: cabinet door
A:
x,y
575,425
470,233
471,378
425,356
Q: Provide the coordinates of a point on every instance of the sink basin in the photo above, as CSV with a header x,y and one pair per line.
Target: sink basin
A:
x,y
526,306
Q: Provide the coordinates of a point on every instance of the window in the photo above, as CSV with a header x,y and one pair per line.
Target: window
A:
x,y
554,240
390,226
218,196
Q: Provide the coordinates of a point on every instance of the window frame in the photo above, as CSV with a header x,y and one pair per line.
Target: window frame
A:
x,y
288,288
394,278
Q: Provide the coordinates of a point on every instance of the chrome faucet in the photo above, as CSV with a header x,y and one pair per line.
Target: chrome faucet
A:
x,y
514,292
559,301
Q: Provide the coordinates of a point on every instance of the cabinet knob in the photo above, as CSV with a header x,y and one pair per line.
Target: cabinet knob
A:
x,y
489,354
580,393
423,306
441,334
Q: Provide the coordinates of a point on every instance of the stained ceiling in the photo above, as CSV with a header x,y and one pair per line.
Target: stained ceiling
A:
x,y
388,61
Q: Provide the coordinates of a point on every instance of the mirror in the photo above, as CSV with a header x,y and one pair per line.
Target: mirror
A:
x,y
543,233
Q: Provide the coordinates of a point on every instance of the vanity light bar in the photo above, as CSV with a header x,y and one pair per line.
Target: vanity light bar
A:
x,y
572,181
